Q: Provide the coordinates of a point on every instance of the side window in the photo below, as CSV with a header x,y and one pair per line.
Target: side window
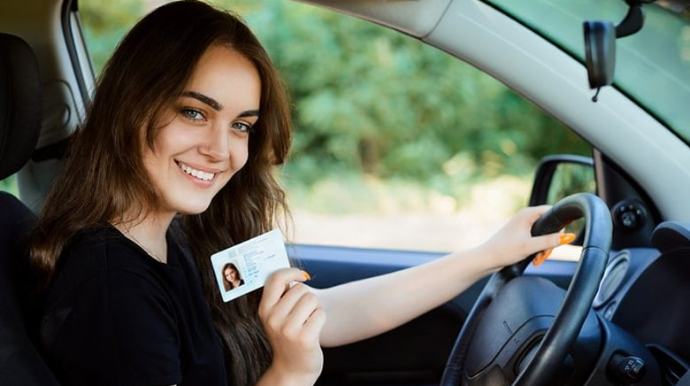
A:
x,y
9,185
105,23
396,144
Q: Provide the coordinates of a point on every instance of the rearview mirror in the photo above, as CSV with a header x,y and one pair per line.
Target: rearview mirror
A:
x,y
600,44
600,52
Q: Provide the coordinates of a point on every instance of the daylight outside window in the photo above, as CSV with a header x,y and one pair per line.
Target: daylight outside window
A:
x,y
396,144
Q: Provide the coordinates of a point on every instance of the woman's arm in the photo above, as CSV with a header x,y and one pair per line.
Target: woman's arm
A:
x,y
365,308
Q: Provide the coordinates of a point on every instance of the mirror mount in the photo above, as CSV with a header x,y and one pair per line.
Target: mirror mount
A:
x,y
633,20
600,44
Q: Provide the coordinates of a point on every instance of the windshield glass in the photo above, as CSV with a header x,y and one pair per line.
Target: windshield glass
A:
x,y
652,66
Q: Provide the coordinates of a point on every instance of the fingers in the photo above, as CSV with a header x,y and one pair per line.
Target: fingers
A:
x,y
293,320
294,303
314,325
544,242
514,240
299,319
558,238
541,256
553,240
291,310
277,284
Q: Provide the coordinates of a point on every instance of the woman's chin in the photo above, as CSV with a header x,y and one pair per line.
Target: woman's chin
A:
x,y
190,209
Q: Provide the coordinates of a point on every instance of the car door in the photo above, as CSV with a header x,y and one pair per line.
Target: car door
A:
x,y
415,353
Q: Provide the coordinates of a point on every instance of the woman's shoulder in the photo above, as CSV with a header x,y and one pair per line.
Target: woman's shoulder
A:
x,y
102,305
94,242
99,263
93,238
95,251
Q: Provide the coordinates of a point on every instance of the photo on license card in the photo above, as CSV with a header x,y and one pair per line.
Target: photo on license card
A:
x,y
245,267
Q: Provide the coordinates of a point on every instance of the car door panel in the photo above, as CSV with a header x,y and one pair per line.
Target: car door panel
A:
x,y
412,354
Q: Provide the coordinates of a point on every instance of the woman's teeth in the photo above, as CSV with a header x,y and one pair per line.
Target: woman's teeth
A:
x,y
196,173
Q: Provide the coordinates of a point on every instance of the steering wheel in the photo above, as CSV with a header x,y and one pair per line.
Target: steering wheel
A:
x,y
492,342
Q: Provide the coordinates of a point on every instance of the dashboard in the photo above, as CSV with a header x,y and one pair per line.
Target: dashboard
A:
x,y
645,292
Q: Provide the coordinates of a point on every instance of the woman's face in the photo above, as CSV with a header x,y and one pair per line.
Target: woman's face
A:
x,y
230,274
206,140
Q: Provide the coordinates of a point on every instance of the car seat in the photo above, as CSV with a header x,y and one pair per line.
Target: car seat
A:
x,y
20,122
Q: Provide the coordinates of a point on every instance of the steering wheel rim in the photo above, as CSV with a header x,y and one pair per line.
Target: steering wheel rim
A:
x,y
571,315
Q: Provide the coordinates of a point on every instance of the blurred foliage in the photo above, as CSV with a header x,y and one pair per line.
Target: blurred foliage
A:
x,y
571,178
372,101
106,23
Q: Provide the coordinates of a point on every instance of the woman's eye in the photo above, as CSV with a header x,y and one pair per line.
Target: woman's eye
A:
x,y
193,114
242,127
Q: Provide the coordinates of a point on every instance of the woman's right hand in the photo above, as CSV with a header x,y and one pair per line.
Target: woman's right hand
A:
x,y
293,319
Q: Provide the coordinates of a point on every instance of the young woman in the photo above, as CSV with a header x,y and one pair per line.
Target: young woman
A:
x,y
187,122
231,277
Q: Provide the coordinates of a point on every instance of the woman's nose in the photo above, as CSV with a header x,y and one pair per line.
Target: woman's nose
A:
x,y
216,143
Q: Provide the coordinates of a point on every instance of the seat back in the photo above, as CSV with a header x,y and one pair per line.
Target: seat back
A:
x,y
20,104
20,111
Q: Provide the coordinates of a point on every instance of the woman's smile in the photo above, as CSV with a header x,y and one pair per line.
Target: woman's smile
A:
x,y
198,174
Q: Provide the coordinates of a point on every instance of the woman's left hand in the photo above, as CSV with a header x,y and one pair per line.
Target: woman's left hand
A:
x,y
514,241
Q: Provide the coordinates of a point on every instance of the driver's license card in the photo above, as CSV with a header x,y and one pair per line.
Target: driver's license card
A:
x,y
245,267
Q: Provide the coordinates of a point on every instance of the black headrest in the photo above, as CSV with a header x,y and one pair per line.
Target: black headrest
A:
x,y
20,104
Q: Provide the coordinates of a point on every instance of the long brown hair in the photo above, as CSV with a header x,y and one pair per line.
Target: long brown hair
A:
x,y
104,177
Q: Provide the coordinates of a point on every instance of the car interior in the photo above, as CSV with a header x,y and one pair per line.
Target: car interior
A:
x,y
614,316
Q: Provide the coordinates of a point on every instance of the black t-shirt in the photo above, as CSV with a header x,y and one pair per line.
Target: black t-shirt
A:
x,y
115,316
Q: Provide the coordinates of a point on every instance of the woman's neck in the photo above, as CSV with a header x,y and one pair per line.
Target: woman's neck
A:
x,y
149,233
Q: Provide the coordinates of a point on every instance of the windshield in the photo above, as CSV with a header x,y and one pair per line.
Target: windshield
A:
x,y
652,66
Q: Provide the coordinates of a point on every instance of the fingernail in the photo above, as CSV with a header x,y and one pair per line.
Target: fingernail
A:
x,y
541,256
567,238
306,275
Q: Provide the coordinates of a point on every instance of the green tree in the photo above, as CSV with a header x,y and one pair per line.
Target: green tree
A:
x,y
373,100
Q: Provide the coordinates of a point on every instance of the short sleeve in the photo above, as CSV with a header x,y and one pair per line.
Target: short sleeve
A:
x,y
119,330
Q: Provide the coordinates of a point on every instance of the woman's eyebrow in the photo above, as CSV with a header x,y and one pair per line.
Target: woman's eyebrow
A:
x,y
216,105
249,113
204,99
